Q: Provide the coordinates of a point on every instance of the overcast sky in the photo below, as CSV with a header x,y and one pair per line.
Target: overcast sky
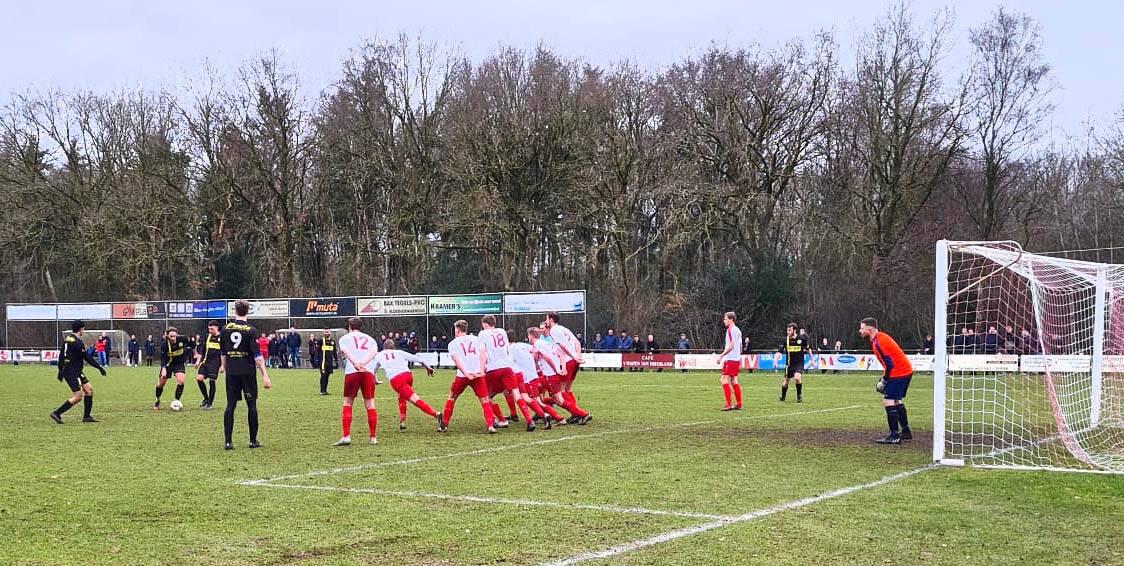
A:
x,y
123,44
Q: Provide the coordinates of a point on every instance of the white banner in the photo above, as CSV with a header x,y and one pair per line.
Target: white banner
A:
x,y
1062,364
921,362
99,311
433,358
984,362
599,360
263,309
697,362
32,312
393,306
544,302
850,362
49,355
1114,364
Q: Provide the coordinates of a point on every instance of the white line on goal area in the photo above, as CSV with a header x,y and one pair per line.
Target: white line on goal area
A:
x,y
726,521
497,500
515,446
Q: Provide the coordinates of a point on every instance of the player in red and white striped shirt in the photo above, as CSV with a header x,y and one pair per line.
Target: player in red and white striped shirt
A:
x,y
395,364
570,351
731,360
463,350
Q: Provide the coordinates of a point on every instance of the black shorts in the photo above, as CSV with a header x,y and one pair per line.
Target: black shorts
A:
x,y
75,381
174,369
896,388
241,387
792,369
209,371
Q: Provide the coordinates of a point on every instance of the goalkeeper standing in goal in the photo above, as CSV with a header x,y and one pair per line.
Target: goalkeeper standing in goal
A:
x,y
895,380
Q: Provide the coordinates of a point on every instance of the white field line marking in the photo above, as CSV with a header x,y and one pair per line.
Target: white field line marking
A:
x,y
499,501
726,521
507,447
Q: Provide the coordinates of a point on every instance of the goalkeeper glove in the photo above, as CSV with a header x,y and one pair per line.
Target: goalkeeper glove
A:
x,y
880,386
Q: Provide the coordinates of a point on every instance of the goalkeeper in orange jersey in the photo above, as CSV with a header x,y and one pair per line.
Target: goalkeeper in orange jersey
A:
x,y
894,382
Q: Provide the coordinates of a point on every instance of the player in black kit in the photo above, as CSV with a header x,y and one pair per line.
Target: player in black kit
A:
x,y
208,364
795,346
173,362
240,358
71,358
327,359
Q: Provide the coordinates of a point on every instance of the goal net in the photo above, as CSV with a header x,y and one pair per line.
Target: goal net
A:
x,y
1029,355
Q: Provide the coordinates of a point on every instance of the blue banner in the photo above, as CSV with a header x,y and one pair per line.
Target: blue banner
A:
x,y
208,309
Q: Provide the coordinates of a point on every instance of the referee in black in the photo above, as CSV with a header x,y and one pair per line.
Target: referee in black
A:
x,y
241,357
71,359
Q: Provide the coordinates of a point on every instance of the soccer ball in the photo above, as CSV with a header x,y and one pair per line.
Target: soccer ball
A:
x,y
176,405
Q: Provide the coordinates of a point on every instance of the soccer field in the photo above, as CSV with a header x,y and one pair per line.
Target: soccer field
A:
x,y
660,476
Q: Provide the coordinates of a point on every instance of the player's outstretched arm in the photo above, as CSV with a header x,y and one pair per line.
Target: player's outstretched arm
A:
x,y
260,362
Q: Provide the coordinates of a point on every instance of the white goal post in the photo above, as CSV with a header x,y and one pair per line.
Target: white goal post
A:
x,y
1029,359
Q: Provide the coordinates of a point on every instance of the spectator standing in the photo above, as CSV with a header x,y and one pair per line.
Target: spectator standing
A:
x,y
625,345
266,349
598,342
149,350
611,344
314,350
108,350
99,351
927,348
683,346
823,348
747,349
434,344
293,341
991,341
1010,340
838,350
133,359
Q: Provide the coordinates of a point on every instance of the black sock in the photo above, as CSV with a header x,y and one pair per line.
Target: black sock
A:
x,y
64,407
784,391
892,419
159,392
323,382
228,419
179,391
203,390
252,418
88,405
902,418
799,389
211,394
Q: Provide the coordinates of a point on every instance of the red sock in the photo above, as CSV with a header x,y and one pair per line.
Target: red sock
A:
x,y
548,401
738,393
726,391
510,401
425,408
372,421
401,409
538,409
447,414
489,418
568,396
345,419
524,410
553,414
573,409
497,412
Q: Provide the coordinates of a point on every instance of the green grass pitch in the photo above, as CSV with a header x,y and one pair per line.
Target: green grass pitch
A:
x,y
145,487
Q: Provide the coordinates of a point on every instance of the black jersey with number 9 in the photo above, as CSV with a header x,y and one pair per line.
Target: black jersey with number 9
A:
x,y
240,346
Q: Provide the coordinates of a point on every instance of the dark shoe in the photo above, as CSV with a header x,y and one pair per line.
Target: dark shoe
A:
x,y
584,420
800,399
401,426
228,446
89,420
255,444
548,423
891,439
323,392
738,408
513,418
531,426
727,408
907,434
56,417
156,406
440,422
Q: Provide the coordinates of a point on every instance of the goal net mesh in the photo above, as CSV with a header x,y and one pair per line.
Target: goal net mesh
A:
x,y
1035,351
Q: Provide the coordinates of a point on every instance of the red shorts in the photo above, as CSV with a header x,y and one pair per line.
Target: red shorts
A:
x,y
553,384
531,388
571,371
499,380
403,379
730,368
363,381
479,386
